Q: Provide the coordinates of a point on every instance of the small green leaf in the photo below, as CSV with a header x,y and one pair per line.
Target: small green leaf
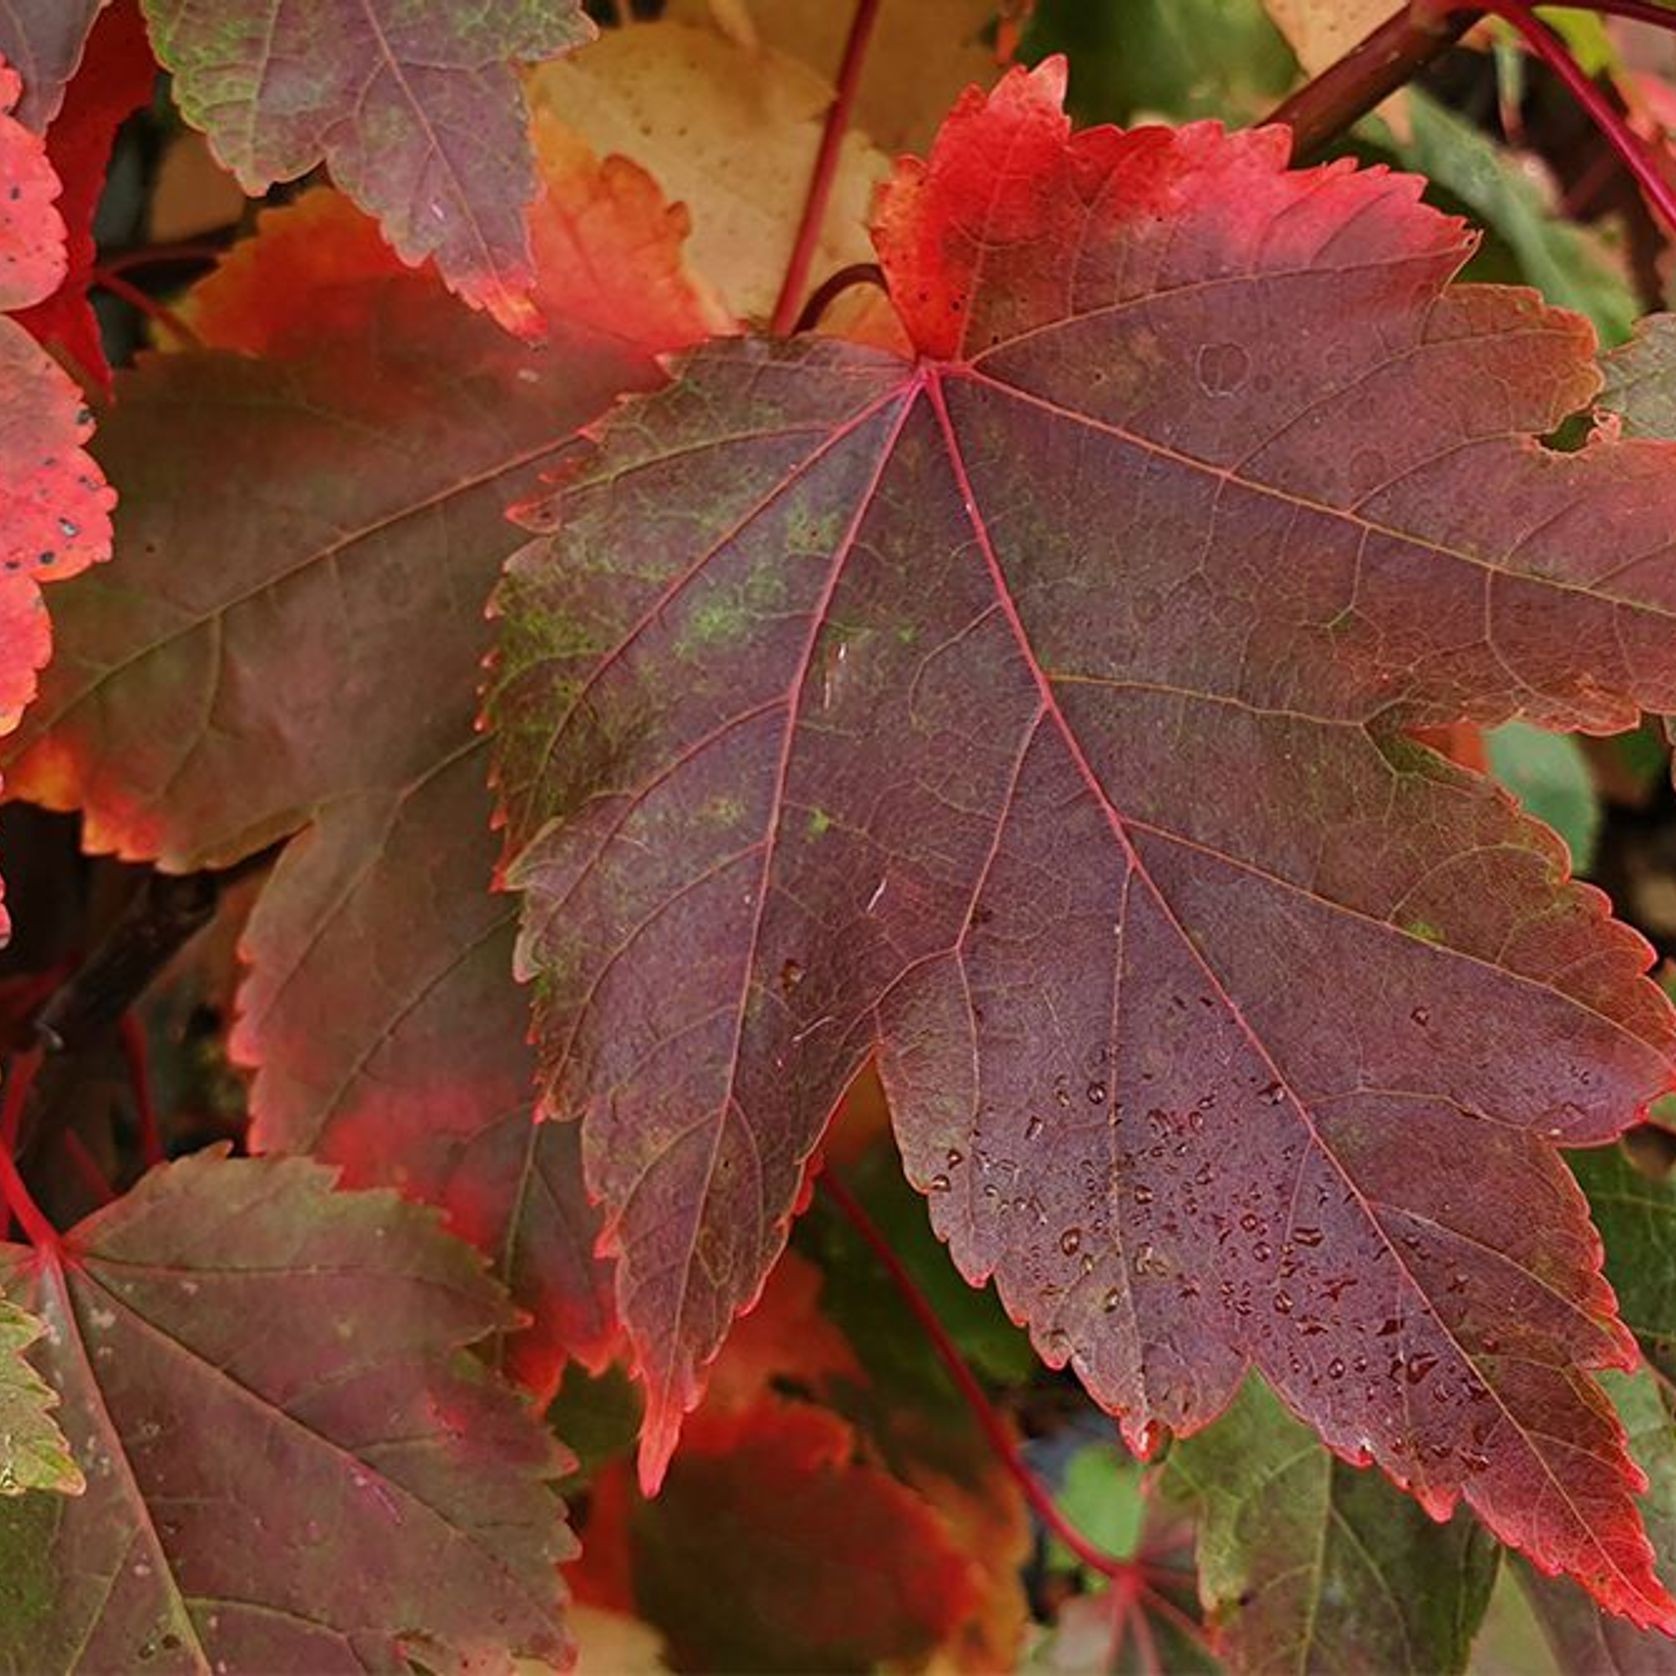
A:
x,y
33,1453
1568,265
1549,775
1101,1497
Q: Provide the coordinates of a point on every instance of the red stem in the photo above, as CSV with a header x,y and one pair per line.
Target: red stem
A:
x,y
130,1033
786,308
1639,11
13,1192
990,1423
1548,47
147,305
86,1166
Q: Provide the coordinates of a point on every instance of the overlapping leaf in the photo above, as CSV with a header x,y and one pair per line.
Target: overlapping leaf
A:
x,y
54,504
33,1452
115,79
1308,1564
43,40
415,107
292,641
252,1366
1033,715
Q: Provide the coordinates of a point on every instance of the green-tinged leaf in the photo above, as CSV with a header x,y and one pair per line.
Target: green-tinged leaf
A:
x,y
291,1463
1307,1563
1569,265
413,103
1586,1641
1510,1641
1101,1497
1550,776
1174,58
1636,1216
33,1453
1641,379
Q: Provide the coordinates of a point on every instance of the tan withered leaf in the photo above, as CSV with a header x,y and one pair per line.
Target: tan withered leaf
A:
x,y
732,135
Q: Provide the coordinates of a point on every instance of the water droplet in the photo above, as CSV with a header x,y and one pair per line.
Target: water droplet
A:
x,y
791,975
1307,1236
939,1183
1262,1251
1096,1094
1283,1303
1070,1240
1033,1128
1419,1365
1274,1094
1335,1368
1421,1016
955,1158
1111,1300
1222,368
1143,1193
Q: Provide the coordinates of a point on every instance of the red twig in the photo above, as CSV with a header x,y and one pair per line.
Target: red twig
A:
x,y
86,1167
20,1204
786,308
147,305
833,287
990,1423
1639,11
130,1034
160,255
1547,46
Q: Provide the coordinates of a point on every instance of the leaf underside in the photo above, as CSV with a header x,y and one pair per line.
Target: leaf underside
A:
x,y
415,107
1032,717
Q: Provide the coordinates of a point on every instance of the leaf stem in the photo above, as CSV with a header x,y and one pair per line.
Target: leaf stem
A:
x,y
1402,46
995,1430
786,308
130,1035
1552,51
833,287
1637,11
147,305
86,1167
14,1193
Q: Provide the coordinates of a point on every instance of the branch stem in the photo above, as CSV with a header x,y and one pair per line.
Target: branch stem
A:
x,y
1402,46
787,307
1545,45
14,1192
995,1430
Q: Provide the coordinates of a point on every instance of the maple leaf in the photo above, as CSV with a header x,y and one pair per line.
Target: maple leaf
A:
x,y
1032,714
337,640
115,80
54,505
252,1365
44,40
1307,1564
33,1453
415,108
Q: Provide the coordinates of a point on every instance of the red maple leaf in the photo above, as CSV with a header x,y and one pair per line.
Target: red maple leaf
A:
x,y
1033,714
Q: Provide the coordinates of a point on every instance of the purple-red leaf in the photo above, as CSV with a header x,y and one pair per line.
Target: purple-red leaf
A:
x,y
415,107
44,40
290,1463
1033,715
314,605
